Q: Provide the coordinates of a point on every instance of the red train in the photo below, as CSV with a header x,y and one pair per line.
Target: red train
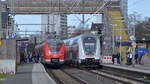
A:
x,y
52,51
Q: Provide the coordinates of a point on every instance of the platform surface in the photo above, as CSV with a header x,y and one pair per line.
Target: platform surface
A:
x,y
30,74
136,68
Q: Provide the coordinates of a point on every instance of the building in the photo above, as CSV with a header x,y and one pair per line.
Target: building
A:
x,y
56,24
6,22
71,30
99,18
96,28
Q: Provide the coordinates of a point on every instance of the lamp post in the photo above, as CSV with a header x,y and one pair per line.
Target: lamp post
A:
x,y
133,44
120,43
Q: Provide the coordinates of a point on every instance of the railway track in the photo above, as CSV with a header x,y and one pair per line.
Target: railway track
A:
x,y
74,75
62,77
121,76
115,77
88,77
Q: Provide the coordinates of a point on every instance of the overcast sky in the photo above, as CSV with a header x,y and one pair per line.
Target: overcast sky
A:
x,y
140,6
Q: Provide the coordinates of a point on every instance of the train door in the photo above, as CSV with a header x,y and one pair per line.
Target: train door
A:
x,y
67,53
75,51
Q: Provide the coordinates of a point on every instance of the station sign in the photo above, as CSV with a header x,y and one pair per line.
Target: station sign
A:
x,y
12,35
117,37
123,43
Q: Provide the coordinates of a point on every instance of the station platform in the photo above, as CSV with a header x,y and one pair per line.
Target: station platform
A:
x,y
143,68
135,68
30,74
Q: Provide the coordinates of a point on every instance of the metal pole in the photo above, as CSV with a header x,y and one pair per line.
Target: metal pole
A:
x,y
133,52
113,38
120,43
83,2
113,41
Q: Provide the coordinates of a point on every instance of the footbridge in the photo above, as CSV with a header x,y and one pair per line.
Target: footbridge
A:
x,y
55,6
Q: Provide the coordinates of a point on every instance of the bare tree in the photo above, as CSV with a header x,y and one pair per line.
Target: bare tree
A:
x,y
143,30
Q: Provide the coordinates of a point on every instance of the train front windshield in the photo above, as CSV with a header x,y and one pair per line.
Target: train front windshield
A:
x,y
55,46
89,45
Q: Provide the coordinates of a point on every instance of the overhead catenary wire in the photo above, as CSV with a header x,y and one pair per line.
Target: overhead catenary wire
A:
x,y
100,8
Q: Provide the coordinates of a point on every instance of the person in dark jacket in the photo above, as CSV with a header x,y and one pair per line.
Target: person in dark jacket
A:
x,y
118,58
114,56
136,58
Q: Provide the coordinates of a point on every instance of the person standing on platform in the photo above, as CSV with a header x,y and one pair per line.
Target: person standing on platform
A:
x,y
141,53
113,56
118,58
22,59
38,57
30,56
140,58
136,58
34,57
130,59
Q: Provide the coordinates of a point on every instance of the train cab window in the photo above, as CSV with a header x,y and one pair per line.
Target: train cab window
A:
x,y
67,43
89,44
75,41
54,46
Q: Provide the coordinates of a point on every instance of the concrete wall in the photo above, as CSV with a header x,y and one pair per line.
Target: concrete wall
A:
x,y
8,49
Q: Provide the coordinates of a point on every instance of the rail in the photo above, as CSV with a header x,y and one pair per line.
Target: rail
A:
x,y
62,77
122,75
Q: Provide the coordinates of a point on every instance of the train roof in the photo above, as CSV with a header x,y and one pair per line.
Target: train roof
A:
x,y
54,40
70,40
83,35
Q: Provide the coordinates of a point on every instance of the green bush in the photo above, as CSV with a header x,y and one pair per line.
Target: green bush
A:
x,y
2,75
